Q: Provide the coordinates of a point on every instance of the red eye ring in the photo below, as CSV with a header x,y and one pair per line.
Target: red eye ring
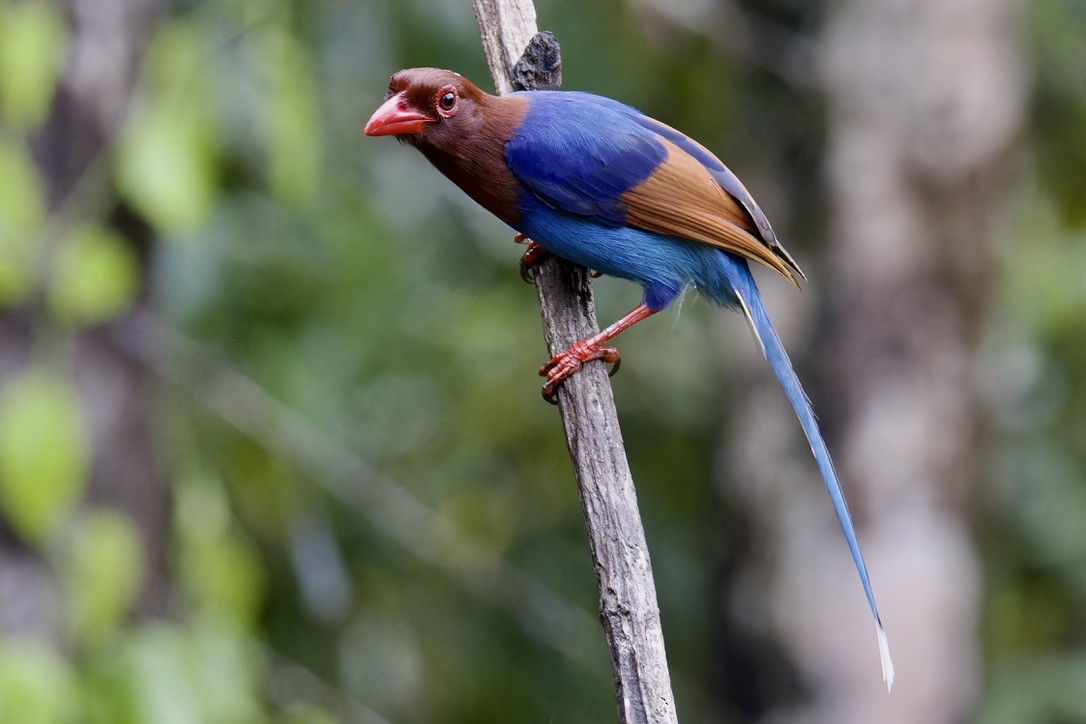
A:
x,y
446,101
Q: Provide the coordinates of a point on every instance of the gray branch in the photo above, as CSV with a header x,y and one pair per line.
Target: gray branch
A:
x,y
620,555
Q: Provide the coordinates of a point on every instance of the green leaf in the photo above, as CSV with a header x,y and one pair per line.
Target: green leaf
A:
x,y
95,277
225,667
293,129
306,713
22,209
165,163
22,206
220,572
176,58
43,453
30,60
37,686
203,674
223,577
165,166
104,575
160,679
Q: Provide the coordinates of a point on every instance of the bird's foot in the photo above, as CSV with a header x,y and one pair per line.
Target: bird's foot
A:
x,y
562,366
532,256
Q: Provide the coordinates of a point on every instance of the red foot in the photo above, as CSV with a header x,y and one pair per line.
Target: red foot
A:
x,y
532,256
562,366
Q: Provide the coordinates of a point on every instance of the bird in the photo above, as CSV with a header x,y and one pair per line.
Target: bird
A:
x,y
599,183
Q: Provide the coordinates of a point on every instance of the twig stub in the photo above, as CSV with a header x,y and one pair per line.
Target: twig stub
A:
x,y
540,67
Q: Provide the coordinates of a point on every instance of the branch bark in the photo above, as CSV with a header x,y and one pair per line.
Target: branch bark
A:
x,y
620,555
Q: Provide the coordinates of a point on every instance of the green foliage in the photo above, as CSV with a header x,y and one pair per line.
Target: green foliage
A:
x,y
165,161
30,60
103,575
218,571
204,667
165,166
37,685
306,714
1059,103
43,453
95,276
1037,690
21,213
289,114
189,676
1035,636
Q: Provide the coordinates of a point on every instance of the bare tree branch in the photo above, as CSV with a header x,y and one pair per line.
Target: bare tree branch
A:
x,y
620,555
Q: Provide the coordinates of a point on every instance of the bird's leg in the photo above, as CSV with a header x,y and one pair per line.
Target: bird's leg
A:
x,y
532,256
565,364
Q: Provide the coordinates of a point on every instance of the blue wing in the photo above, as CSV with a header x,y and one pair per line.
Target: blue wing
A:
x,y
579,153
597,158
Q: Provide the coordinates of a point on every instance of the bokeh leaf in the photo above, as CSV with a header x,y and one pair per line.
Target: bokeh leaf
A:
x,y
303,713
293,127
22,209
220,572
95,277
165,166
160,681
37,686
191,676
165,162
43,453
104,574
30,60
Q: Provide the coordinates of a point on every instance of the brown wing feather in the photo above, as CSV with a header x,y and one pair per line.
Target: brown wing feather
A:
x,y
682,199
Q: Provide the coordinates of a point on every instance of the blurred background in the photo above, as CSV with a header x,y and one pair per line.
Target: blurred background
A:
x,y
271,440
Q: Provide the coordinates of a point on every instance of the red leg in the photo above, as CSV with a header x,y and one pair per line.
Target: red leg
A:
x,y
568,362
532,256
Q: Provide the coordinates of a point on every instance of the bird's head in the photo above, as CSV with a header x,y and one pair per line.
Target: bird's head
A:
x,y
427,105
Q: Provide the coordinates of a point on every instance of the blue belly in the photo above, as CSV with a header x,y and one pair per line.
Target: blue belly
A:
x,y
662,265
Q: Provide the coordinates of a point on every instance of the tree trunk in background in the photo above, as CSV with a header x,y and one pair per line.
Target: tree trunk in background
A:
x,y
117,392
106,42
924,98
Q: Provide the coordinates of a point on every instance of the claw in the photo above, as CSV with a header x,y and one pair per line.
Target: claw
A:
x,y
615,366
532,256
562,366
526,273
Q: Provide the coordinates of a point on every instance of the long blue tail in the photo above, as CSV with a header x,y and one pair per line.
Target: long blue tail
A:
x,y
738,276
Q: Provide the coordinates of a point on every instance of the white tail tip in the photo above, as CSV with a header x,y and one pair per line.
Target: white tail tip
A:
x,y
884,657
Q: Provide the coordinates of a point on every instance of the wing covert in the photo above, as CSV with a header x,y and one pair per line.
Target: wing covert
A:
x,y
598,158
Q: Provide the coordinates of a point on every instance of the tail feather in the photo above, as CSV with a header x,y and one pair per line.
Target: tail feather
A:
x,y
746,293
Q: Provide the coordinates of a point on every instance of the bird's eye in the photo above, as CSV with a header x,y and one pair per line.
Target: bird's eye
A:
x,y
446,100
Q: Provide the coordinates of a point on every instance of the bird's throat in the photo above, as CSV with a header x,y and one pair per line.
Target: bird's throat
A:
x,y
477,165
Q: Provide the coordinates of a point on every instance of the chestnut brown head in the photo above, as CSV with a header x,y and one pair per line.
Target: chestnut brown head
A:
x,y
427,105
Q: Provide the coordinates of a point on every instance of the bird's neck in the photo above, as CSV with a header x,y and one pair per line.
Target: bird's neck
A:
x,y
474,159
